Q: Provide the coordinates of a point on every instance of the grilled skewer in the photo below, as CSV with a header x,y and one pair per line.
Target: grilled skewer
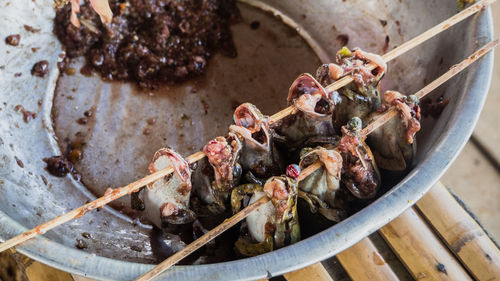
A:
x,y
454,70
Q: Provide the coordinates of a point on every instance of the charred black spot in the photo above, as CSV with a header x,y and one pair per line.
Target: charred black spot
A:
x,y
254,25
441,268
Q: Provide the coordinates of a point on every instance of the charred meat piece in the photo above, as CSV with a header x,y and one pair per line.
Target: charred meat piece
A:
x,y
314,109
319,189
353,63
360,174
393,144
216,175
258,154
273,225
167,200
223,154
408,109
361,98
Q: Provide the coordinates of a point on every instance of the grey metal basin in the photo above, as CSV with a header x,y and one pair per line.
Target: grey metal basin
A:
x,y
269,59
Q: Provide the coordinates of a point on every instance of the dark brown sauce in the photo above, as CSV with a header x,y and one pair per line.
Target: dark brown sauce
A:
x,y
150,42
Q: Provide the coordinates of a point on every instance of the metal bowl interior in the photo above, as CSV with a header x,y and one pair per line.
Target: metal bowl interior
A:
x,y
264,56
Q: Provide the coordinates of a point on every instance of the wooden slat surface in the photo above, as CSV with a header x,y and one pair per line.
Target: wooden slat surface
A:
x,y
420,250
485,131
464,237
363,262
315,272
477,183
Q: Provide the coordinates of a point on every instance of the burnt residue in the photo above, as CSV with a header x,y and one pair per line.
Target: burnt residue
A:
x,y
136,248
136,201
27,115
44,180
63,63
58,166
74,151
31,29
82,120
19,162
205,105
383,22
441,268
386,45
150,42
433,108
151,121
86,235
40,68
81,244
255,25
13,39
88,113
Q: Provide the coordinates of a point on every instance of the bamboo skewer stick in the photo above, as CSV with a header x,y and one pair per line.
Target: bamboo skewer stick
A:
x,y
100,202
454,70
135,186
167,263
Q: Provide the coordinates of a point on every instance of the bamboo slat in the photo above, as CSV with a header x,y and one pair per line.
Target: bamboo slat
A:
x,y
315,272
462,234
363,262
420,250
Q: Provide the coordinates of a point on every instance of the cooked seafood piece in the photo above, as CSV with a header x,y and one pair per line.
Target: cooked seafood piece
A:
x,y
100,6
167,200
353,63
393,144
319,188
223,153
313,119
362,97
216,175
275,224
258,154
359,172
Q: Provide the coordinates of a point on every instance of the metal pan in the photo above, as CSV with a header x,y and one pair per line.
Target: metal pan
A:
x,y
270,57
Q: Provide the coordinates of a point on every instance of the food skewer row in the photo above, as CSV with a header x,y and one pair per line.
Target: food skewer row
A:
x,y
137,185
308,171
403,48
